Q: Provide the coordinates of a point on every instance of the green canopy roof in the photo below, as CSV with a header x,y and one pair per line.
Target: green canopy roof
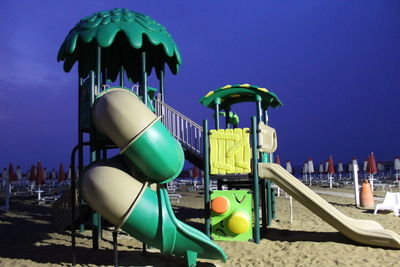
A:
x,y
123,34
238,93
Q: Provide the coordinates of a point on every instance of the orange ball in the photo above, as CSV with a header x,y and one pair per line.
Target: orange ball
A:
x,y
220,205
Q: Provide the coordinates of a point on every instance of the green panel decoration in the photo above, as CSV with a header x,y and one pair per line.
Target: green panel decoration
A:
x,y
231,215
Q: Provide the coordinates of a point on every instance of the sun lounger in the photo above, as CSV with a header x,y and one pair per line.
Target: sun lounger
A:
x,y
391,202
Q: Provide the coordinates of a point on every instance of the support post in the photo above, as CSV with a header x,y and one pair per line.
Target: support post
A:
x,y
256,199
217,103
115,247
162,86
121,76
80,155
96,219
143,82
206,178
227,122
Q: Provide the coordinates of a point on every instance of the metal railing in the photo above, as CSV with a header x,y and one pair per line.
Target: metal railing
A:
x,y
186,131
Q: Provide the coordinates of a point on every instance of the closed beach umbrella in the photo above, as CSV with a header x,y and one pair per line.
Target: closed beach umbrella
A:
x,y
195,172
321,170
321,167
371,166
365,166
277,160
381,168
350,168
4,176
340,166
340,169
40,173
61,173
310,166
69,176
397,167
326,166
397,164
289,166
19,173
371,169
305,168
11,174
331,166
331,170
32,174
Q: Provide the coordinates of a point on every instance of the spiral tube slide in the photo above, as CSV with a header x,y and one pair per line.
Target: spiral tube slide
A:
x,y
118,188
362,231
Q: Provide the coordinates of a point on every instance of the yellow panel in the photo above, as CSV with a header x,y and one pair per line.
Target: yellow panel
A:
x,y
230,159
230,151
213,152
221,155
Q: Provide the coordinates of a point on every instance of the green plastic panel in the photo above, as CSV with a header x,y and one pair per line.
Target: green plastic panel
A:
x,y
156,154
239,200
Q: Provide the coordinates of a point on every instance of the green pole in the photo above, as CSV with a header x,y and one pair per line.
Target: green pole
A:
x,y
143,83
80,155
217,103
263,182
256,198
206,177
93,153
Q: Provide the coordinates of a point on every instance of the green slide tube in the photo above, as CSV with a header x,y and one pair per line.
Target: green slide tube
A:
x,y
140,135
145,214
153,222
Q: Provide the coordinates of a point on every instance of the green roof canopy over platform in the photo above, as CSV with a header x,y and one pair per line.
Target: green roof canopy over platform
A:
x,y
123,35
232,94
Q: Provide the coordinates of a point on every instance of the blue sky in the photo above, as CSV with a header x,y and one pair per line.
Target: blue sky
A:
x,y
334,64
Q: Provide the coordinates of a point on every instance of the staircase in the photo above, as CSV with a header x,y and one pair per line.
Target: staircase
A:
x,y
186,131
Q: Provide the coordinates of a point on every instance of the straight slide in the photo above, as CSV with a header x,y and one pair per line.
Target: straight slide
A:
x,y
362,231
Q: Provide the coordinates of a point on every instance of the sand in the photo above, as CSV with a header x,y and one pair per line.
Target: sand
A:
x,y
28,238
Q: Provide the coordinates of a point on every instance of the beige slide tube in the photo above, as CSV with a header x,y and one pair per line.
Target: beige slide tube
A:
x,y
362,231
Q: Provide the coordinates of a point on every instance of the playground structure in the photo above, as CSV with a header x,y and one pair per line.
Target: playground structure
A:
x,y
125,44
264,142
229,162
121,43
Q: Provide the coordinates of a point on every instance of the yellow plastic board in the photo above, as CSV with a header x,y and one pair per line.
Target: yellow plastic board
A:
x,y
230,151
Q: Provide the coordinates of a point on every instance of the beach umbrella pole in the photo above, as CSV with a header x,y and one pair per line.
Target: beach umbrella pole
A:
x,y
39,195
371,181
356,191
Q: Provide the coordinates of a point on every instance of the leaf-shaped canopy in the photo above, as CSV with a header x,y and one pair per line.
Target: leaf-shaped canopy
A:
x,y
123,35
238,93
